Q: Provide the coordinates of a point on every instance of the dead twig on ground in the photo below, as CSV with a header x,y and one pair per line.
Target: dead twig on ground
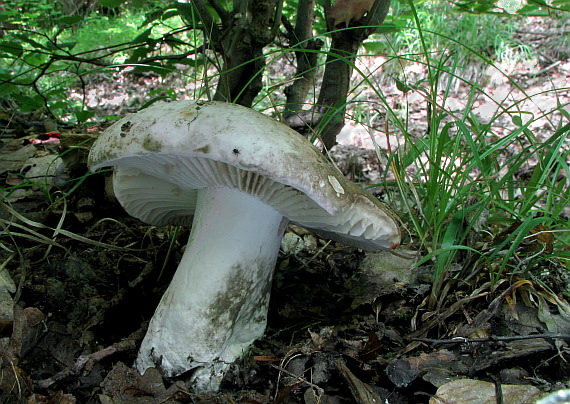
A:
x,y
85,362
302,380
493,338
361,392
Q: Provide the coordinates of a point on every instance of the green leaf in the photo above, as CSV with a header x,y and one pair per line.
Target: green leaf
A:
x,y
8,15
188,13
82,116
29,103
139,53
111,3
152,17
7,88
138,3
143,37
50,45
403,87
71,20
517,120
562,110
58,106
151,67
57,92
11,47
28,40
389,28
153,100
375,47
35,58
172,12
68,45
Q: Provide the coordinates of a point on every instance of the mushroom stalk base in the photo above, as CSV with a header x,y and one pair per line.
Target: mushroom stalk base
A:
x,y
216,304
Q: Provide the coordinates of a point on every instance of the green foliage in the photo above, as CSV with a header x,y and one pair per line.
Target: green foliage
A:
x,y
457,180
461,179
100,31
471,35
43,52
522,7
46,46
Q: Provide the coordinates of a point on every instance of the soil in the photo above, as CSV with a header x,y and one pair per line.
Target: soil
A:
x,y
80,279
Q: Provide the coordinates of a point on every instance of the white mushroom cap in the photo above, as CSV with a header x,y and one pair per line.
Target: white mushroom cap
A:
x,y
241,175
169,150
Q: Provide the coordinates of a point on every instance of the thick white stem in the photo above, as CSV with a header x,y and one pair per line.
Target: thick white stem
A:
x,y
216,304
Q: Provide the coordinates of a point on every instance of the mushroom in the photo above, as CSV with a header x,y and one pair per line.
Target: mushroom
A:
x,y
238,177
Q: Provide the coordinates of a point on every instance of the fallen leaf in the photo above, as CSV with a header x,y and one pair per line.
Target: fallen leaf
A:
x,y
469,391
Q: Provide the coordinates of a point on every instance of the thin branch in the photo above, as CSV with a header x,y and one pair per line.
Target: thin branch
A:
x,y
277,18
85,363
299,378
463,340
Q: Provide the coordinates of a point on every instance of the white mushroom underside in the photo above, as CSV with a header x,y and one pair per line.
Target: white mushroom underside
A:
x,y
176,179
216,304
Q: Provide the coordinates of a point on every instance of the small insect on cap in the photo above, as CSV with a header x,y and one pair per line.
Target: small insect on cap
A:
x,y
163,154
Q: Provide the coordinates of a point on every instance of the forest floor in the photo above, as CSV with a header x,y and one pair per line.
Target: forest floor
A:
x,y
80,279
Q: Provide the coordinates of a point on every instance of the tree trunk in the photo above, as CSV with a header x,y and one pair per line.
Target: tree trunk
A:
x,y
334,90
336,80
306,56
240,42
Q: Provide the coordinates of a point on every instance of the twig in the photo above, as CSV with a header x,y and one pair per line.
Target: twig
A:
x,y
85,362
492,338
362,392
545,33
279,368
540,72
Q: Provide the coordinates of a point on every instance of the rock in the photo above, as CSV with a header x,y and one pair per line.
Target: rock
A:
x,y
469,391
380,274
